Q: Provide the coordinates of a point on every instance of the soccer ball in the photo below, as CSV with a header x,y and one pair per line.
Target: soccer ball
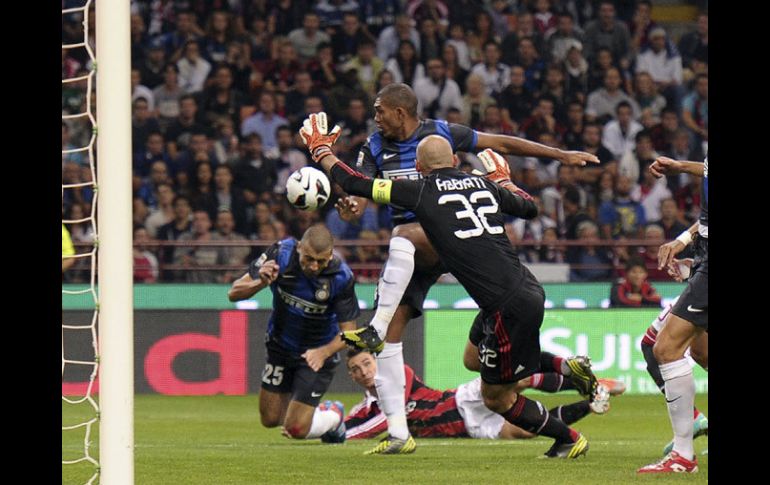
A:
x,y
308,189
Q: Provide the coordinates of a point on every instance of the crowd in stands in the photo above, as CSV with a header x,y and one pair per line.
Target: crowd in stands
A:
x,y
219,89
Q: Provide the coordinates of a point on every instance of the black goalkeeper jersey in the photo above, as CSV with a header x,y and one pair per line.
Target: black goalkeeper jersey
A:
x,y
462,215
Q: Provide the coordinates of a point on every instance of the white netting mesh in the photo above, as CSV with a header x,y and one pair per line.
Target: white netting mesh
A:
x,y
82,410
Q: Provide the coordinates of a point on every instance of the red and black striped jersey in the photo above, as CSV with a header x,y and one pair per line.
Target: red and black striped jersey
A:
x,y
429,413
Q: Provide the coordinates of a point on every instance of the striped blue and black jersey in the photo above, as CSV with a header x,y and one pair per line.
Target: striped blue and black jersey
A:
x,y
703,219
306,311
390,159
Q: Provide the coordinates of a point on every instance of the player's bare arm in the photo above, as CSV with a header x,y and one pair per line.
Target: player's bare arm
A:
x,y
663,166
668,251
246,287
315,358
511,145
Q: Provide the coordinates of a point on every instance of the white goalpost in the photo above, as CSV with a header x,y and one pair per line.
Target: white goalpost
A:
x,y
113,354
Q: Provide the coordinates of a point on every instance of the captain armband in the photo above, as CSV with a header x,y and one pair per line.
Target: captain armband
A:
x,y
381,191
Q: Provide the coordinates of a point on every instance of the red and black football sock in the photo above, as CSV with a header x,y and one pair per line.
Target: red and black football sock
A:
x,y
551,382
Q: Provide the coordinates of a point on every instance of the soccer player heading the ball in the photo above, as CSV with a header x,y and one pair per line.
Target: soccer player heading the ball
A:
x,y
413,265
313,299
462,216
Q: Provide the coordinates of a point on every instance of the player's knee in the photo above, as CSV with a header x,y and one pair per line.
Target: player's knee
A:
x,y
664,352
269,421
471,361
497,402
297,430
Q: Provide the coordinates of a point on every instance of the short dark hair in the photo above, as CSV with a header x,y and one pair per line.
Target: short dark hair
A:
x,y
623,104
635,261
353,352
399,95
643,134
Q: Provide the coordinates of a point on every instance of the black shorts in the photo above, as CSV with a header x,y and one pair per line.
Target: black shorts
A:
x,y
476,333
285,373
510,347
693,304
418,287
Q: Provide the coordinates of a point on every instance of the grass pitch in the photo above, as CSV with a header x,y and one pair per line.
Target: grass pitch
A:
x,y
219,440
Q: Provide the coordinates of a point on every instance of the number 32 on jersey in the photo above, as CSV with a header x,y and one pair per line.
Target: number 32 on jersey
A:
x,y
477,216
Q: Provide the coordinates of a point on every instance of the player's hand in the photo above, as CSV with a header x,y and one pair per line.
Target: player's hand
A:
x,y
667,252
315,358
496,166
348,208
268,272
665,166
314,133
679,269
577,158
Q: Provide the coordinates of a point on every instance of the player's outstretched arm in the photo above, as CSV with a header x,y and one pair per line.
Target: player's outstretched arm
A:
x,y
667,166
512,145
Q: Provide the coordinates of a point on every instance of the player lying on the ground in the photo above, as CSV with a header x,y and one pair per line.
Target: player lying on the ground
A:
x,y
313,298
698,351
454,413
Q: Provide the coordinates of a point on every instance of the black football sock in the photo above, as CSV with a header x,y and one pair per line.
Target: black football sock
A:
x,y
532,416
551,382
652,366
571,413
550,363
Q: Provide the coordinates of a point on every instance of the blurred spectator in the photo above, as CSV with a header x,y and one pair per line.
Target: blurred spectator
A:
x,y
597,69
664,64
179,133
607,31
227,197
669,219
452,67
574,213
405,65
139,39
663,133
282,71
191,257
139,211
367,66
193,69
230,255
605,187
494,73
641,26
145,263
534,68
348,88
261,216
494,123
254,172
163,212
622,216
332,13
322,69
428,9
307,38
286,15
633,161
619,135
516,101
142,123
589,262
680,150
554,86
475,101
650,191
687,198
431,39
237,59
264,122
566,35
221,99
531,230
461,60
576,72
525,29
174,42
345,42
695,110
602,104
379,14
288,158
81,232
154,150
355,127
541,172
549,251
77,157
435,93
542,120
573,136
653,233
151,69
173,231
167,96
366,254
695,45
634,290
226,144
553,196
592,143
220,31
259,40
646,95
203,187
199,149
464,12
391,37
503,15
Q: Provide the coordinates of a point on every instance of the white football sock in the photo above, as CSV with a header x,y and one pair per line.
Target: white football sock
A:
x,y
390,381
680,397
393,282
323,421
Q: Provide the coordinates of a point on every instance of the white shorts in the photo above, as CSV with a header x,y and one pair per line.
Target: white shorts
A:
x,y
480,422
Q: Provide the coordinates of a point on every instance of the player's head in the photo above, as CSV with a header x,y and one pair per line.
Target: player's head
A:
x,y
434,152
636,272
362,367
395,110
315,250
